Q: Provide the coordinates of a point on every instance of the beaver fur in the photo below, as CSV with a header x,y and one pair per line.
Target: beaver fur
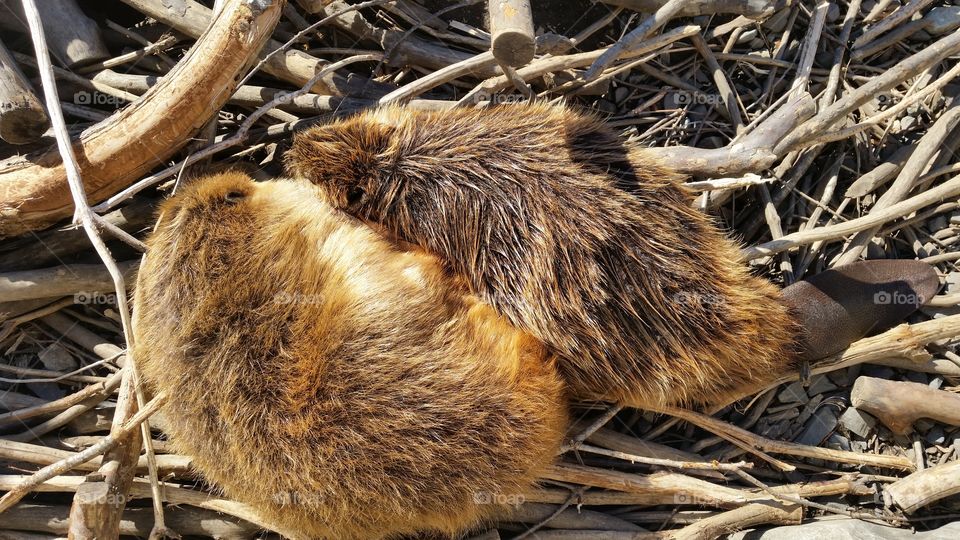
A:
x,y
588,243
344,387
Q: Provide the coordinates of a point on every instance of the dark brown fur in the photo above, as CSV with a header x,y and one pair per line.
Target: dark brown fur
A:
x,y
578,238
342,386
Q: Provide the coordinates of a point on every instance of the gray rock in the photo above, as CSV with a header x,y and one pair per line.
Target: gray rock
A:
x,y
880,372
847,529
606,107
793,393
942,19
808,411
55,358
857,422
778,21
833,13
917,377
820,384
820,426
935,435
838,442
843,377
621,94
937,223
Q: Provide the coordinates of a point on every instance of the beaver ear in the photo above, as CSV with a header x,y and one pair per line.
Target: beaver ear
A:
x,y
344,151
839,306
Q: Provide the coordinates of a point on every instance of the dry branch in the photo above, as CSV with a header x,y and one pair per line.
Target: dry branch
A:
x,y
753,153
98,504
745,517
34,194
755,9
657,488
511,29
76,279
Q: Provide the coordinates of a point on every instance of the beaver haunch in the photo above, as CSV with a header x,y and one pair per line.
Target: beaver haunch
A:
x,y
584,241
342,386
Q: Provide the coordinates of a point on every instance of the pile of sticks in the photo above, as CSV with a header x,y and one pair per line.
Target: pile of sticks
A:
x,y
819,133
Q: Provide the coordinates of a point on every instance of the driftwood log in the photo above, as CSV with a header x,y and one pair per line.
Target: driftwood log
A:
x,y
899,404
73,38
34,194
924,487
22,118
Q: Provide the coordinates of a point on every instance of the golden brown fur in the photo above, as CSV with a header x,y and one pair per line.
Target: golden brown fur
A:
x,y
346,388
587,243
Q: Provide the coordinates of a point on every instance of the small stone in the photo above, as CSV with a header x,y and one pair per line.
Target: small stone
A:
x,y
606,106
811,407
824,59
880,372
712,142
906,122
917,377
820,426
833,13
47,391
820,384
56,358
942,20
935,436
875,250
793,393
838,442
621,94
747,35
778,21
857,422
937,223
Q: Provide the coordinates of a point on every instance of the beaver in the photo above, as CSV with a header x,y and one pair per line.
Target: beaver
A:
x,y
590,244
343,386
